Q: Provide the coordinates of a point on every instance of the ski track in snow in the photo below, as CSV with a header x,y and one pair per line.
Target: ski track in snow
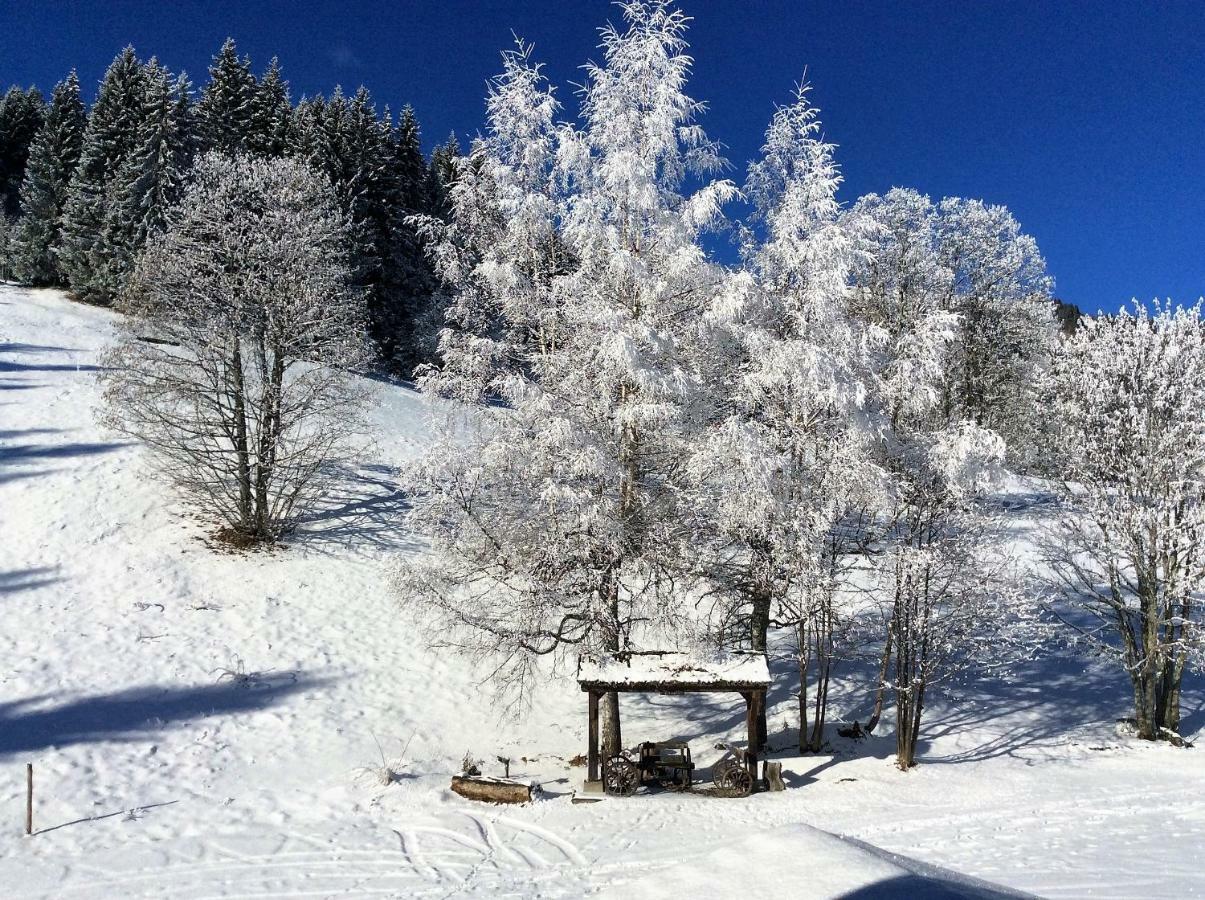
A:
x,y
119,620
483,856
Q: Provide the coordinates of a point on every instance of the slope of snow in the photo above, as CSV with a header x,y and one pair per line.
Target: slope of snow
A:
x,y
202,724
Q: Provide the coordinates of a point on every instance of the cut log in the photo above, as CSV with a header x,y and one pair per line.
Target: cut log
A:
x,y
491,790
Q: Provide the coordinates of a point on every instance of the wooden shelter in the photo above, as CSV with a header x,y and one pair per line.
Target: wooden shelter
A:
x,y
672,672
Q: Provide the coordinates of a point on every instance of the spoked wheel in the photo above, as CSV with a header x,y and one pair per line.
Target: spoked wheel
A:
x,y
720,774
675,780
736,782
620,776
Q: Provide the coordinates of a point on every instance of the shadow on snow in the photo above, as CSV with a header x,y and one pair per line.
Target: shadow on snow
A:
x,y
139,713
17,580
361,508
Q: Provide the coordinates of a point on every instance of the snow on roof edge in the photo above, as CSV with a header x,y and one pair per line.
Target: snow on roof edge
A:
x,y
673,667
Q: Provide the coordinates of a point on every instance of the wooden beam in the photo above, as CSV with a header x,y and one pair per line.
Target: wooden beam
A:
x,y
592,737
664,687
753,703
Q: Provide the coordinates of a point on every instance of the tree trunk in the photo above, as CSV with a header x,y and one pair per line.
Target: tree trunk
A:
x,y
242,452
612,737
903,729
804,665
759,630
269,436
877,713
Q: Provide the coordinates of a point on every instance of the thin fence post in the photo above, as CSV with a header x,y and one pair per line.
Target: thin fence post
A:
x,y
29,798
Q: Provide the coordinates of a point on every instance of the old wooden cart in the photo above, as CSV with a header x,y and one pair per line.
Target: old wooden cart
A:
x,y
667,764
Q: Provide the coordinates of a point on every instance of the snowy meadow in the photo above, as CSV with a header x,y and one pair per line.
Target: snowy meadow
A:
x,y
322,461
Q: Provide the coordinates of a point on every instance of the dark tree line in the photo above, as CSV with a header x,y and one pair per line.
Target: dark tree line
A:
x,y
82,189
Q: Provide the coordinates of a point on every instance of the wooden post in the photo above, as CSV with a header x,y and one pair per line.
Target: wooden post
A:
x,y
592,738
29,798
753,705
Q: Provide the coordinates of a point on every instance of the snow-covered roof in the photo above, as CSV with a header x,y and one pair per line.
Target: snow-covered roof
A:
x,y
672,670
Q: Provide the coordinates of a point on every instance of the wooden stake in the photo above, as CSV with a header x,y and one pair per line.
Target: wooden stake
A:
x,y
29,798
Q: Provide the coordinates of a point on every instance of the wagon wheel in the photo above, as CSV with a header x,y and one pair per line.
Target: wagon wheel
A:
x,y
620,776
675,779
719,774
737,782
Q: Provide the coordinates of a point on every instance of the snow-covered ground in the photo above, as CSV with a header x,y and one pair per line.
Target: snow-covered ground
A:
x,y
199,722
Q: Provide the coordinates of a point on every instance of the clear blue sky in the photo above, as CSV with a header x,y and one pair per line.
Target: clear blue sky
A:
x,y
1085,117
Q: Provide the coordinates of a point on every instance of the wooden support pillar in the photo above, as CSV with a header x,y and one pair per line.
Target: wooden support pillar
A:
x,y
592,773
754,703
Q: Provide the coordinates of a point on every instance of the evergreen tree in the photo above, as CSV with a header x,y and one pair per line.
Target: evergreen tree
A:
x,y
21,116
411,166
7,229
409,272
271,114
52,160
114,133
228,107
151,177
346,140
441,174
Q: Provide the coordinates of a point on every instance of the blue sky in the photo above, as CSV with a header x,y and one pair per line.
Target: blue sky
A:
x,y
1087,119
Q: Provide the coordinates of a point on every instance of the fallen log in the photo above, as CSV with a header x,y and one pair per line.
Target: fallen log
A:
x,y
491,790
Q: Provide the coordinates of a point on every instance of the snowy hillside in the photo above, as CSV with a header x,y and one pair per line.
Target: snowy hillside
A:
x,y
203,723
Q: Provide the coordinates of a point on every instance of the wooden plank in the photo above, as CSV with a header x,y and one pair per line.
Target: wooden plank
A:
x,y
592,738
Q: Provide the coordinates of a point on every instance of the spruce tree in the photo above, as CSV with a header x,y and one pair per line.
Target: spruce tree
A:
x,y
151,177
52,160
21,116
345,140
271,114
440,175
412,276
115,130
227,108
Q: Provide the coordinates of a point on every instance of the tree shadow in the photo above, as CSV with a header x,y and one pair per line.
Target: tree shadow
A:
x,y
6,366
20,460
18,453
361,508
1043,706
17,580
15,347
139,713
21,369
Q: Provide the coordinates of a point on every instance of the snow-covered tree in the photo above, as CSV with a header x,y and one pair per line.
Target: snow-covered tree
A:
x,y
950,604
230,105
21,115
554,520
501,248
271,114
115,127
407,268
983,281
1000,291
152,175
53,157
233,361
784,475
8,232
1128,400
946,604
